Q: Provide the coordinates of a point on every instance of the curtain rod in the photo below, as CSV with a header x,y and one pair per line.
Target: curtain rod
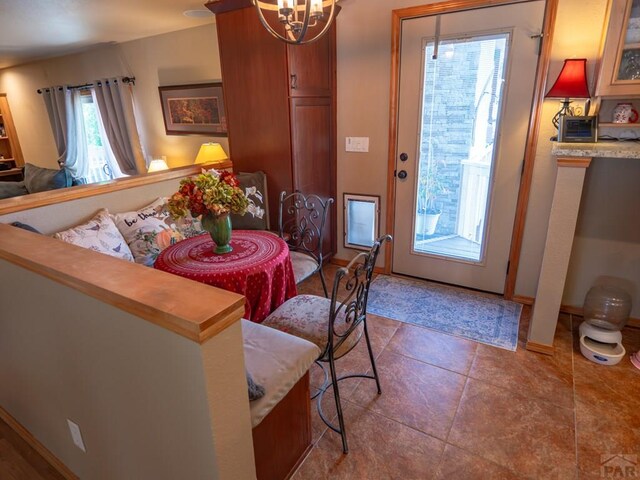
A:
x,y
131,80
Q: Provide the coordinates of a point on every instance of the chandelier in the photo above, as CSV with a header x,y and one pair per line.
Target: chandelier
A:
x,y
304,21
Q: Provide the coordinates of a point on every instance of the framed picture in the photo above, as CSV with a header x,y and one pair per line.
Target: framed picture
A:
x,y
361,220
194,109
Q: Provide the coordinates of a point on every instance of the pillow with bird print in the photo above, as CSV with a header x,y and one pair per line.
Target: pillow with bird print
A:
x,y
99,234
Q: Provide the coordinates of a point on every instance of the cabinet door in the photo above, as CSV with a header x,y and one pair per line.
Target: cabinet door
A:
x,y
312,66
620,63
313,147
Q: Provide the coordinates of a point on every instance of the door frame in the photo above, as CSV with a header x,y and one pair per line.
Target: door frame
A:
x,y
542,69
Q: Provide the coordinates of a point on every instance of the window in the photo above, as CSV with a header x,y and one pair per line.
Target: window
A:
x,y
102,163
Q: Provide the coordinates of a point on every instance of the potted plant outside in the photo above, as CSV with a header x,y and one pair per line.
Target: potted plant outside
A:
x,y
429,187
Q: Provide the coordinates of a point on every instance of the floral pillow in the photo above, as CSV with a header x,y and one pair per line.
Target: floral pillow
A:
x,y
148,231
99,234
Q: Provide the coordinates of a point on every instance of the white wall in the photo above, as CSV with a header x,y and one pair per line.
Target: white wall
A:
x,y
182,57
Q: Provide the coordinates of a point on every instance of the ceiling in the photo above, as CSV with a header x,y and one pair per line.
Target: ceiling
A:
x,y
35,29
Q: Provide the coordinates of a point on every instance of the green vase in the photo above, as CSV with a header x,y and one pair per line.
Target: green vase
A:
x,y
219,227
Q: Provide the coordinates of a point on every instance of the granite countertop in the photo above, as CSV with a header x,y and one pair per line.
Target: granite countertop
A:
x,y
597,150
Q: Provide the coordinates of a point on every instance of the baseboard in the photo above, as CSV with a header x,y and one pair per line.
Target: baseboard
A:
x,y
540,348
344,263
37,446
571,309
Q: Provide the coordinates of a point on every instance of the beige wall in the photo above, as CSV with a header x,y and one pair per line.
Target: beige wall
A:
x,y
150,404
364,52
182,57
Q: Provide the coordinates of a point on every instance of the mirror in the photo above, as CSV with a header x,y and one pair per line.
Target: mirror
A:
x,y
168,48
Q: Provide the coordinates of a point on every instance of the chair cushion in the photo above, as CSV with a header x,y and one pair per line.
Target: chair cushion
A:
x,y
248,221
276,361
98,234
38,179
303,265
307,316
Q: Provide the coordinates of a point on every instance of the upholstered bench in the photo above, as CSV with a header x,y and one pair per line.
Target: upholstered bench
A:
x,y
281,419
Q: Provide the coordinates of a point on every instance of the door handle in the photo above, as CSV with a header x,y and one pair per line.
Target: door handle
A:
x,y
294,81
402,174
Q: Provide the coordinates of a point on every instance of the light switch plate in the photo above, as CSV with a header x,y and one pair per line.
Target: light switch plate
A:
x,y
76,436
357,144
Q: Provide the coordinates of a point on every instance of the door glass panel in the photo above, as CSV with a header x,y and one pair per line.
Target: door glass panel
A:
x,y
630,58
462,96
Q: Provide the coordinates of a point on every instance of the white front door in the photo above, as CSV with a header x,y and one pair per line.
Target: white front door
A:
x,y
466,89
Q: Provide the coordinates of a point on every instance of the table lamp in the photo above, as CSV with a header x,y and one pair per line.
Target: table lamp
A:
x,y
157,164
211,153
571,83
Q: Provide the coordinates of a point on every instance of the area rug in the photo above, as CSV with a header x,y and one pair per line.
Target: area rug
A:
x,y
481,317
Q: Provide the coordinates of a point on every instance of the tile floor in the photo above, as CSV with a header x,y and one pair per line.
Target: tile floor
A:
x,y
455,409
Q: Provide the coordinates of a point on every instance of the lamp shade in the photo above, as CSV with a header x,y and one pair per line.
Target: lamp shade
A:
x,y
572,81
157,165
211,153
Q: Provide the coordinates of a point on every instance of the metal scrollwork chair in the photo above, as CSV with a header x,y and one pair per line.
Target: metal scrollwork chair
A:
x,y
301,223
335,325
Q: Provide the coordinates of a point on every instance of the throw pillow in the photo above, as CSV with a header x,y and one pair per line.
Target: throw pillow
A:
x,y
38,179
12,189
99,234
255,391
148,231
248,221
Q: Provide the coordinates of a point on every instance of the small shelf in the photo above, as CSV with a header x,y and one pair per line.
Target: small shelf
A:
x,y
4,138
13,171
618,125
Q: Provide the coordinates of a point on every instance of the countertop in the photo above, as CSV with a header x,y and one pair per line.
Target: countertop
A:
x,y
597,150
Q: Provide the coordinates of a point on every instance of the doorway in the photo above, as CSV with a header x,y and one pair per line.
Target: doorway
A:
x,y
466,87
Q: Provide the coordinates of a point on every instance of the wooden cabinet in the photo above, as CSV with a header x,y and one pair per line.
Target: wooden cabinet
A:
x,y
280,106
619,74
10,152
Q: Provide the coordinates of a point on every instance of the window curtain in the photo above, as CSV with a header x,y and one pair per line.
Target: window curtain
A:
x,y
115,104
67,123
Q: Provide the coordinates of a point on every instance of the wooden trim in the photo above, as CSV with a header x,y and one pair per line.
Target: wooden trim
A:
x,y
343,263
526,179
534,123
571,309
540,348
574,162
34,443
190,309
12,133
42,199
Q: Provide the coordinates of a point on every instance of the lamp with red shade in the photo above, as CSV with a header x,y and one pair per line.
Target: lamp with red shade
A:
x,y
571,83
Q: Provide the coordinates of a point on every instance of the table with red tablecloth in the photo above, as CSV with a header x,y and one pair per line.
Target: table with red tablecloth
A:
x,y
259,267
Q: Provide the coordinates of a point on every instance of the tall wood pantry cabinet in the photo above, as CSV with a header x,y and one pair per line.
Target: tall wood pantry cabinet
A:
x,y
281,107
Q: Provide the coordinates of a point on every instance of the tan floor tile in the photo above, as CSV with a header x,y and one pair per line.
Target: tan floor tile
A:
x,y
539,376
429,346
379,449
605,430
525,435
456,464
413,393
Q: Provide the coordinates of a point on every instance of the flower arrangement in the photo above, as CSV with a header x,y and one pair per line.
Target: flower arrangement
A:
x,y
215,193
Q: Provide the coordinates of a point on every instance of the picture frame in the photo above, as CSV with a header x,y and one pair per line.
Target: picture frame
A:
x,y
196,109
361,220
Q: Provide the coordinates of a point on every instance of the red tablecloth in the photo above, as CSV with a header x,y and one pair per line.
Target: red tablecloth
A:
x,y
259,267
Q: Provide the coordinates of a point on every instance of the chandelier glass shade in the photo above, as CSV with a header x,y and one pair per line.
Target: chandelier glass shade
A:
x,y
304,21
